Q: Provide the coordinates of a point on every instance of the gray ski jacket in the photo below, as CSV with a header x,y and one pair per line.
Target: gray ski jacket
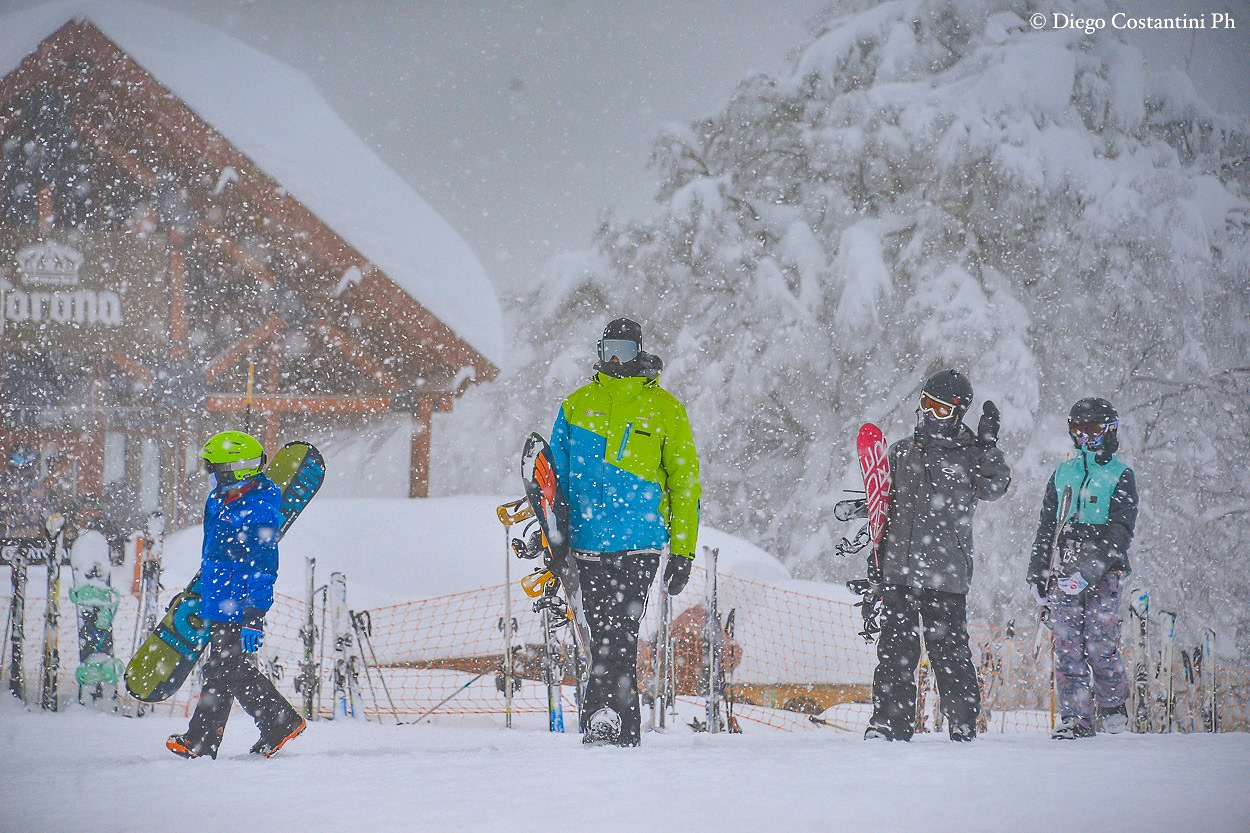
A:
x,y
935,485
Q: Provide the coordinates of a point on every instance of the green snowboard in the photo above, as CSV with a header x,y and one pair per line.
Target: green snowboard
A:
x,y
166,657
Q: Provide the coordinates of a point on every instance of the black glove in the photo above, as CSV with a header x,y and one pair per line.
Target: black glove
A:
x,y
677,573
987,428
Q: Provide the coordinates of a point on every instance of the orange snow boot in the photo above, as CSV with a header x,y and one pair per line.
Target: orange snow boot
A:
x,y
269,747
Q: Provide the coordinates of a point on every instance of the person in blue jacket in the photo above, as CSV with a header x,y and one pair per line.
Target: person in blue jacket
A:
x,y
239,565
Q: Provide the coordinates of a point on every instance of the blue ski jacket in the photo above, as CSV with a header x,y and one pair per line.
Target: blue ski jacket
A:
x,y
239,563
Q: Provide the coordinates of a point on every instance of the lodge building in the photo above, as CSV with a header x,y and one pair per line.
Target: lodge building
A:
x,y
177,257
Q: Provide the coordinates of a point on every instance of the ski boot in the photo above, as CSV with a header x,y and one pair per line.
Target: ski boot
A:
x,y
604,728
878,732
269,746
1072,728
183,748
962,734
1113,721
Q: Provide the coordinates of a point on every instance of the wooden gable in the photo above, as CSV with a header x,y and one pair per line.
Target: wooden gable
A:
x,y
258,288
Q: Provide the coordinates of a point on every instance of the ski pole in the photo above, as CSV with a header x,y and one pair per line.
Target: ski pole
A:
x,y
820,721
363,634
446,699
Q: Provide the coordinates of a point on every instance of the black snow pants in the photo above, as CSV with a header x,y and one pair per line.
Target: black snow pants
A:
x,y
230,674
614,594
943,616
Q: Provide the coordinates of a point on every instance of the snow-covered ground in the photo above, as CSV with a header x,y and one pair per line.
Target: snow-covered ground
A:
x,y
80,770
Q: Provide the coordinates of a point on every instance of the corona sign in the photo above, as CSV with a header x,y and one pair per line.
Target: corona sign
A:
x,y
82,292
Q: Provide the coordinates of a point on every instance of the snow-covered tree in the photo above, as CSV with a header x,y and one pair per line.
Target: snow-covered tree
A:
x,y
931,184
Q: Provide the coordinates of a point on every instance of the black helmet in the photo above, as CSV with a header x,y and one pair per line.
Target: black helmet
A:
x,y
1093,424
622,342
950,387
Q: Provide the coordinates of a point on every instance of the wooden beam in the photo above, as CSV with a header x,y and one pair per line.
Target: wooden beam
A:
x,y
136,370
358,356
232,403
177,296
36,68
419,447
228,359
46,212
249,264
102,142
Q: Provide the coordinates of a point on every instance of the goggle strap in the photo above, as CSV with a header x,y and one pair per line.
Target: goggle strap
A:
x,y
236,465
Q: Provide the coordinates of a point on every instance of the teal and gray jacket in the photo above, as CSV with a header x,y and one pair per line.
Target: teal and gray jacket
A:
x,y
1100,522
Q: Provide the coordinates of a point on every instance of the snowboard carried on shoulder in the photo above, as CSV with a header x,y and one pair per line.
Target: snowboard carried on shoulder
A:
x,y
96,599
874,464
166,657
550,507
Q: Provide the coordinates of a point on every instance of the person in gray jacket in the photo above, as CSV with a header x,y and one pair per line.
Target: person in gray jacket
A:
x,y
924,561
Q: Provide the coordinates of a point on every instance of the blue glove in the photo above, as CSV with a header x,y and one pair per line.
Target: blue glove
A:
x,y
253,633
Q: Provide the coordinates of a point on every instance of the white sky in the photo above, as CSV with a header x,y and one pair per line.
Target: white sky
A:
x,y
520,121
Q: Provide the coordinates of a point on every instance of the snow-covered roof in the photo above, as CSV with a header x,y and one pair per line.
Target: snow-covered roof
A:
x,y
274,115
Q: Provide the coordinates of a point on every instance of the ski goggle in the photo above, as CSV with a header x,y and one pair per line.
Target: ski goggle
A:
x,y
935,406
1090,434
231,471
620,349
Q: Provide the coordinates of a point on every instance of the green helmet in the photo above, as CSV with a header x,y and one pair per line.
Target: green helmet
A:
x,y
233,453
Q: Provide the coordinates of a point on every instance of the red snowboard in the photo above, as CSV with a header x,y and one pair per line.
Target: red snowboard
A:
x,y
874,462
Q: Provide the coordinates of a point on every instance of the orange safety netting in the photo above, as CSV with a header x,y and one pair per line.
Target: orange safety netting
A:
x,y
792,655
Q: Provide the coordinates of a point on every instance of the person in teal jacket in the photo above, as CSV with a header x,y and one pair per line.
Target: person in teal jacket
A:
x,y
625,459
1083,590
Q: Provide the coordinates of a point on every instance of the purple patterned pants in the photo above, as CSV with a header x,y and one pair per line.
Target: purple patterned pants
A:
x,y
1087,652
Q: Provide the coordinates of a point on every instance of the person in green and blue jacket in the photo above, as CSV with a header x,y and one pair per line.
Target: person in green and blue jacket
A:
x,y
625,457
1083,590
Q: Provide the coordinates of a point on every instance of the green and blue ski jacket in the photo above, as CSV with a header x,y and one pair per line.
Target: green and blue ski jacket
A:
x,y
625,457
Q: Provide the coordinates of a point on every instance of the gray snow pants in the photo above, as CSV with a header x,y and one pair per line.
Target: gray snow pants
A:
x,y
1088,668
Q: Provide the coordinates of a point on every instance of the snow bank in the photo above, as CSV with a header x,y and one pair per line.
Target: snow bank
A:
x,y
397,550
